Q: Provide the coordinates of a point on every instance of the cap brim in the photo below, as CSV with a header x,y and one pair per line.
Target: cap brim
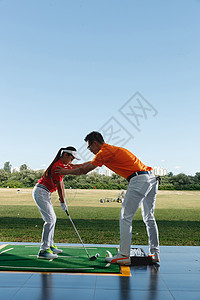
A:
x,y
76,157
73,153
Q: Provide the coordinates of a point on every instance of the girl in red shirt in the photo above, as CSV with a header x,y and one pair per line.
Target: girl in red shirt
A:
x,y
49,183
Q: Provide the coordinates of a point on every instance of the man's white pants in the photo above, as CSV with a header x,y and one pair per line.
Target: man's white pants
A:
x,y
43,201
142,189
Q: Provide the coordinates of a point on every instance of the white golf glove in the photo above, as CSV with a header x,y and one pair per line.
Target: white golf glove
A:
x,y
63,205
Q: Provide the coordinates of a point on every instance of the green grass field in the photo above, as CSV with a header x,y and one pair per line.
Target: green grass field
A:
x,y
177,214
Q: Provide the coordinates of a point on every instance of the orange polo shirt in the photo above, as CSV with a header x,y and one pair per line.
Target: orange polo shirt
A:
x,y
119,160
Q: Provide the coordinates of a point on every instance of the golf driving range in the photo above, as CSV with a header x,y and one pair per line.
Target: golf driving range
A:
x,y
73,275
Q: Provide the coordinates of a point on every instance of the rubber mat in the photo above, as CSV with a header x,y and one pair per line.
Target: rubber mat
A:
x,y
73,259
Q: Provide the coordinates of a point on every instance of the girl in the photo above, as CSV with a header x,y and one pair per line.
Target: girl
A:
x,y
49,183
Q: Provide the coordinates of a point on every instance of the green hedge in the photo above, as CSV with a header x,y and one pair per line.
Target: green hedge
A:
x,y
27,178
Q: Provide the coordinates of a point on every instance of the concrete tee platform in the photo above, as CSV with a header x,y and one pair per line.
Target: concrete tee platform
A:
x,y
177,277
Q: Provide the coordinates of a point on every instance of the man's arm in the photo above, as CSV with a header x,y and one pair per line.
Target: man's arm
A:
x,y
82,169
75,166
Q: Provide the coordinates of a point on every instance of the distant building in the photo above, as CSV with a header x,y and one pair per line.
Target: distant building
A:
x,y
96,170
107,172
14,169
102,171
160,171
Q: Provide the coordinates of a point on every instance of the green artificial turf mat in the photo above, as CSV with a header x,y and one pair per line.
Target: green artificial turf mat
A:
x,y
73,259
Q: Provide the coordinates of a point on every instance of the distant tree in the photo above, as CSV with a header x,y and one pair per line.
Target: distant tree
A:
x,y
182,182
170,174
23,167
166,183
13,184
7,167
3,177
197,177
26,177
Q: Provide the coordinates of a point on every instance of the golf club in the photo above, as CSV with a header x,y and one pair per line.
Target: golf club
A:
x,y
90,257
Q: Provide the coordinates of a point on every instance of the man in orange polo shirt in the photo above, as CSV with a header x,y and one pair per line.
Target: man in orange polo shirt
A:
x,y
142,189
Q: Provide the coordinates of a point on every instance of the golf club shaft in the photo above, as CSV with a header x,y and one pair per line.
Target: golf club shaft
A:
x,y
77,234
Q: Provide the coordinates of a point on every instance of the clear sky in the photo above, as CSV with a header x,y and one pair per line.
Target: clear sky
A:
x,y
71,67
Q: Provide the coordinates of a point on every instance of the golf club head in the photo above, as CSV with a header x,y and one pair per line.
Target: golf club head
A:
x,y
93,257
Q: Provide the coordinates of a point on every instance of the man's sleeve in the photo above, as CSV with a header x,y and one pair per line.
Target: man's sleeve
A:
x,y
101,158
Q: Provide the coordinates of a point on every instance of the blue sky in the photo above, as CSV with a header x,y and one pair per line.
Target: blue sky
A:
x,y
68,67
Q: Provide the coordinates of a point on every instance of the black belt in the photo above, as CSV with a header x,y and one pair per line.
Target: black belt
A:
x,y
137,173
42,187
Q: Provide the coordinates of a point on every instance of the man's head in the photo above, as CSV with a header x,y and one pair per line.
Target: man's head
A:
x,y
95,141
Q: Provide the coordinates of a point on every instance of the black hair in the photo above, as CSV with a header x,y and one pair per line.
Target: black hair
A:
x,y
94,136
47,172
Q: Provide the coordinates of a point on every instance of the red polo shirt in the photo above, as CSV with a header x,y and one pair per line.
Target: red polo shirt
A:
x,y
50,182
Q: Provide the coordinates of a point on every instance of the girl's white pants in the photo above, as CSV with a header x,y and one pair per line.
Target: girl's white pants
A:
x,y
43,201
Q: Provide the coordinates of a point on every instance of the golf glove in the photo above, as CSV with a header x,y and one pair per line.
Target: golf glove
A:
x,y
63,205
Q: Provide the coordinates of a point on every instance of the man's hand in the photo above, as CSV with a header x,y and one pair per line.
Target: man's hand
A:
x,y
81,169
62,171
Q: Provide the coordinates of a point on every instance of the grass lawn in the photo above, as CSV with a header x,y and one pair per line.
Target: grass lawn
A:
x,y
177,214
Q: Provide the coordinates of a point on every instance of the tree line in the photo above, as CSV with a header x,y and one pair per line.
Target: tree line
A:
x,y
27,178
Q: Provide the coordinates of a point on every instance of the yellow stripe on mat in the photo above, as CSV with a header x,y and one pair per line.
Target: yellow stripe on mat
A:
x,y
3,246
125,271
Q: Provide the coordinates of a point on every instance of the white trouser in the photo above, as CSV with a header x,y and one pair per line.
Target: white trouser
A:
x,y
43,201
142,189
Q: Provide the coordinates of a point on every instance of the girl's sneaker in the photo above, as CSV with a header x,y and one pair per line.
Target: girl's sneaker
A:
x,y
47,254
55,249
